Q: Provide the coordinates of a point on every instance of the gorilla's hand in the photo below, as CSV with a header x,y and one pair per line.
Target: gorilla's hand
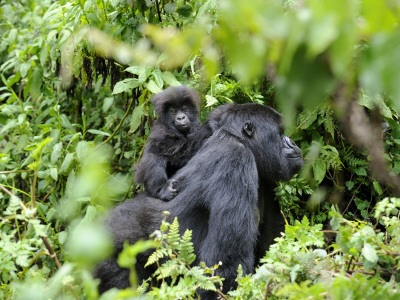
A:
x,y
169,191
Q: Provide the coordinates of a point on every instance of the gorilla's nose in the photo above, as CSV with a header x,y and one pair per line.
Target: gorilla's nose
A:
x,y
181,117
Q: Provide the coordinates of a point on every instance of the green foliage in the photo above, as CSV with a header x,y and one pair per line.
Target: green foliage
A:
x,y
185,279
300,265
76,75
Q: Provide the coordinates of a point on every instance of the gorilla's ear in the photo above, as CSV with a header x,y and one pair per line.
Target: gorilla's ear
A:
x,y
248,129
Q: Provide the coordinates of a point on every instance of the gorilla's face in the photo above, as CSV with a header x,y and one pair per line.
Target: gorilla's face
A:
x,y
277,156
178,107
179,117
293,156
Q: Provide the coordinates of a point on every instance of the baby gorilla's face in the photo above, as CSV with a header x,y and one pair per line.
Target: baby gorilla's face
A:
x,y
180,117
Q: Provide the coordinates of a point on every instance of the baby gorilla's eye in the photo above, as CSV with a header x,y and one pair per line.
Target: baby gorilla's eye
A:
x,y
172,111
184,108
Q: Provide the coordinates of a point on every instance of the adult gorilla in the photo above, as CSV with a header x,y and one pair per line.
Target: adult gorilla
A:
x,y
218,195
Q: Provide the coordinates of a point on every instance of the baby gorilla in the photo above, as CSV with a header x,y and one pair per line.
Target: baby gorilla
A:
x,y
175,137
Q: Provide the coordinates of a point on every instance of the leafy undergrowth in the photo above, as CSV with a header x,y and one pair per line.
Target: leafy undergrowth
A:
x,y
358,262
64,96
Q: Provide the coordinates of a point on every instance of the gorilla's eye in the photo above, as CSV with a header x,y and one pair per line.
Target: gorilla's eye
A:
x,y
248,129
172,111
185,109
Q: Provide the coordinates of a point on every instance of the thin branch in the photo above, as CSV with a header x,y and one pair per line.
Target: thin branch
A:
x,y
6,191
158,11
329,231
302,123
52,254
375,269
15,171
33,193
349,265
119,125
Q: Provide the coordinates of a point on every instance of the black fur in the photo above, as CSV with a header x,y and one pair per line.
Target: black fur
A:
x,y
218,196
175,137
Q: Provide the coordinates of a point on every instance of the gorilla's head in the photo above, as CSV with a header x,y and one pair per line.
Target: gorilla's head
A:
x,y
259,128
177,107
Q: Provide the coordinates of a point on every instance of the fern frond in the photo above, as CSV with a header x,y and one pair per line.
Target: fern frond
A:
x,y
186,249
156,256
355,162
205,282
328,124
173,237
171,268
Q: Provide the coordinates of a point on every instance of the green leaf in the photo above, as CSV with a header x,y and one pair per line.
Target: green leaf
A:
x,y
24,68
37,79
170,7
373,102
319,168
82,150
98,132
51,35
43,55
88,5
136,118
62,237
157,75
378,16
126,84
67,163
307,118
349,185
184,10
210,100
377,188
361,171
54,173
153,87
144,73
170,79
369,253
134,69
56,153
94,18
12,35
39,147
107,103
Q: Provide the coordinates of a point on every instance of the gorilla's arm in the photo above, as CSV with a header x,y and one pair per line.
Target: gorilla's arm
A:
x,y
151,172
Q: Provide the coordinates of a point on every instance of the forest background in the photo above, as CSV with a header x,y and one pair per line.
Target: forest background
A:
x,y
76,82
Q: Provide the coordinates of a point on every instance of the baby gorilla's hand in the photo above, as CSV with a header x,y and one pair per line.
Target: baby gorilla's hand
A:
x,y
169,191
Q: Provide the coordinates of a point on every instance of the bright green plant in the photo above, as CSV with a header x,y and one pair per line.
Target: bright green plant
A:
x,y
76,75
185,278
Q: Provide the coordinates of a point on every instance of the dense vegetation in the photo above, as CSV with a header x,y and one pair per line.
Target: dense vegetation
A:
x,y
76,82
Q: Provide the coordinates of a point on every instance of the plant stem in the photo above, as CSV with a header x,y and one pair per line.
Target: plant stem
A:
x,y
158,11
52,254
119,125
33,198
